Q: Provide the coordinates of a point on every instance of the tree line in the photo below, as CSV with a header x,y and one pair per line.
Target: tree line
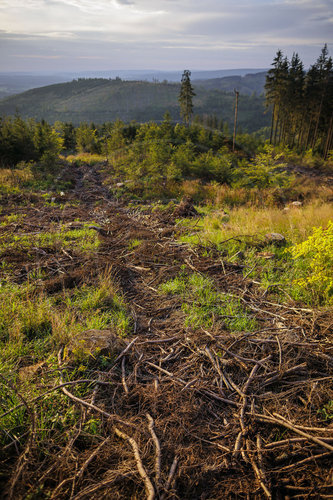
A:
x,y
301,102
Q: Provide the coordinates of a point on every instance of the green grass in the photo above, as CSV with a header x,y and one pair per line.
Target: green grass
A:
x,y
85,158
83,239
134,243
33,327
206,307
28,314
240,236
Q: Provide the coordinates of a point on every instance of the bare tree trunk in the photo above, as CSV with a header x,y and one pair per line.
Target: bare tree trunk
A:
x,y
300,134
277,125
235,121
317,121
329,138
308,136
272,125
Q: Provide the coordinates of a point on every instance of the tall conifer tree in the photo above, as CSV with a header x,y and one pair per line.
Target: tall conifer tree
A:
x,y
186,97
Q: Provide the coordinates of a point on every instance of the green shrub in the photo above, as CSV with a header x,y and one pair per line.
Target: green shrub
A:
x,y
266,170
314,261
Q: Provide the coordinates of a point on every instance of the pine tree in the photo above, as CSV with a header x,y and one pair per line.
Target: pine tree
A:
x,y
324,66
274,83
294,97
302,103
185,97
235,119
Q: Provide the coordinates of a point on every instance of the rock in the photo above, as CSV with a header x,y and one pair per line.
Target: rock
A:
x,y
29,372
91,343
276,238
296,203
100,230
185,208
120,184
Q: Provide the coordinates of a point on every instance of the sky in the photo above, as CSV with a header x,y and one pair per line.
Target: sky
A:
x,y
82,35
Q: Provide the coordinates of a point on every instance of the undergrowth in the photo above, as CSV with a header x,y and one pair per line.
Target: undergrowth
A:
x,y
300,268
82,238
33,327
206,307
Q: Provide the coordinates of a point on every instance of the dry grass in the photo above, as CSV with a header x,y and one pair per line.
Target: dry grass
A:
x,y
221,196
295,223
10,178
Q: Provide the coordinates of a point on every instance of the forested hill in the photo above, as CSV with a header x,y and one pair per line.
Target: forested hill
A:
x,y
100,100
248,84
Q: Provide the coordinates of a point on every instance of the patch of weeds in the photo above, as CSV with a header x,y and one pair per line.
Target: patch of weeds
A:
x,y
314,264
85,159
134,244
12,218
92,427
84,239
12,181
303,272
12,425
205,307
23,315
100,307
326,412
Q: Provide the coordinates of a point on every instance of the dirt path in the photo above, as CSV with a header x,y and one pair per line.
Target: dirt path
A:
x,y
188,412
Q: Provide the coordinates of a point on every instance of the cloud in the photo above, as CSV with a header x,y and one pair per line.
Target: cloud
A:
x,y
164,33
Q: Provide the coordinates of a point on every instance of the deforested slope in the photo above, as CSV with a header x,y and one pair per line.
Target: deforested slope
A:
x,y
100,100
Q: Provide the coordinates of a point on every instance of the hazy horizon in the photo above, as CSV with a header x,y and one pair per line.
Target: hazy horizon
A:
x,y
166,35
144,71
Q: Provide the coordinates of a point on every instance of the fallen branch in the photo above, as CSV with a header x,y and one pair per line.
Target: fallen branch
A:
x,y
157,448
170,478
288,425
148,485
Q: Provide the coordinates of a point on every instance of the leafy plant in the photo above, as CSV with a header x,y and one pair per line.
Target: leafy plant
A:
x,y
327,411
264,171
314,260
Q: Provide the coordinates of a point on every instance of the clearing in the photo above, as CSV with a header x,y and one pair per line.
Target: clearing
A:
x,y
202,387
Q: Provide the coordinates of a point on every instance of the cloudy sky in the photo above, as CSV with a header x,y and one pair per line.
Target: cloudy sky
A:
x,y
74,35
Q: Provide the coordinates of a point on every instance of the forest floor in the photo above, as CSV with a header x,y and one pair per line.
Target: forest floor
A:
x,y
217,391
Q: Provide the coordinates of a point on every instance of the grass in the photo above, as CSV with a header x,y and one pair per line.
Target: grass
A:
x,y
240,236
134,243
33,327
13,180
83,238
85,158
28,314
206,307
295,223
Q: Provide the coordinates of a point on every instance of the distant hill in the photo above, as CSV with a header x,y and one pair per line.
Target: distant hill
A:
x,y
247,84
100,100
15,83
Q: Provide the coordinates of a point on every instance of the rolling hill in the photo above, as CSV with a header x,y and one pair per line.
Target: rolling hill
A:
x,y
15,83
247,84
100,100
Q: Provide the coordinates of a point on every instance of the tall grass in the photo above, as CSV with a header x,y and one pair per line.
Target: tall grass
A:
x,y
223,196
240,236
295,223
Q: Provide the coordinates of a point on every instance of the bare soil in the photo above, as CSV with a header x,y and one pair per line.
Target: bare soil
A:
x,y
186,413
